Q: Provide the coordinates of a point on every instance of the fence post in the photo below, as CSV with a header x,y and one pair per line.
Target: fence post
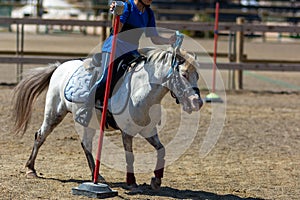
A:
x,y
238,74
231,58
104,16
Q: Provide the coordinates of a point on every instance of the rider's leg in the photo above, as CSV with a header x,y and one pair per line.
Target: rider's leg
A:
x,y
103,71
118,71
100,87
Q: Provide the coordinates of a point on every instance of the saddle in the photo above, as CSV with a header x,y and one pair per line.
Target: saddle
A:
x,y
84,78
122,65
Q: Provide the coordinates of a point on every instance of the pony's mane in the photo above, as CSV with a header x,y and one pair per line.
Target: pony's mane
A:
x,y
164,57
156,55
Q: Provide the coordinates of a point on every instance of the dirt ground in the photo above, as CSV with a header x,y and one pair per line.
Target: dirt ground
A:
x,y
257,155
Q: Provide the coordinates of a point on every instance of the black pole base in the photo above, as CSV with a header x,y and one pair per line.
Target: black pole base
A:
x,y
93,190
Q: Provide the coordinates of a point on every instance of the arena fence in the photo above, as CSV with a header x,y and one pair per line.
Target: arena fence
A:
x,y
238,61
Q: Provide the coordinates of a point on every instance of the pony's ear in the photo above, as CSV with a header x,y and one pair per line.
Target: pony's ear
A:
x,y
190,58
185,54
182,52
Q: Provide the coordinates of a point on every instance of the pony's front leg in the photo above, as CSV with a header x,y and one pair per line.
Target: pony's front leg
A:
x,y
160,163
130,178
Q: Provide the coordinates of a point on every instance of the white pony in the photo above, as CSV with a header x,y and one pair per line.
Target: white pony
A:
x,y
142,87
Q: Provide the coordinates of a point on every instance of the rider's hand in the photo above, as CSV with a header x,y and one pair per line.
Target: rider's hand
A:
x,y
112,6
172,39
117,7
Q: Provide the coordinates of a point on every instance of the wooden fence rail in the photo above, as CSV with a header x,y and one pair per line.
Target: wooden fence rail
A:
x,y
22,57
174,25
221,66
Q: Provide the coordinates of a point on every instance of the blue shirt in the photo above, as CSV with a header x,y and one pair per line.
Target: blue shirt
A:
x,y
135,23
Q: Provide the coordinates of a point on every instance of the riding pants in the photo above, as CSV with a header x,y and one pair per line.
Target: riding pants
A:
x,y
119,68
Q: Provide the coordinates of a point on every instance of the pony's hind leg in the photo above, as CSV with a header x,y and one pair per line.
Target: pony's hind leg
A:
x,y
159,169
87,145
52,117
38,141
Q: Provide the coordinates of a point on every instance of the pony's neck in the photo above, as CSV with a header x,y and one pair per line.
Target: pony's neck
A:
x,y
157,68
161,60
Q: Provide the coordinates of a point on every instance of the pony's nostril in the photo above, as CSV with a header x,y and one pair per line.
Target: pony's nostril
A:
x,y
197,103
200,102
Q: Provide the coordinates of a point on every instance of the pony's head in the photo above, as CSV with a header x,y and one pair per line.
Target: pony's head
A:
x,y
180,75
184,81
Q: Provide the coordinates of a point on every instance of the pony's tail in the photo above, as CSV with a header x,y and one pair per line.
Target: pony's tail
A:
x,y
26,93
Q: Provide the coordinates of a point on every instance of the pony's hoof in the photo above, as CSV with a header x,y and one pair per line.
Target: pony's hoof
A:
x,y
134,189
31,174
155,183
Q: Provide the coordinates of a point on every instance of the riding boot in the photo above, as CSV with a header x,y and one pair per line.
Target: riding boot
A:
x,y
100,90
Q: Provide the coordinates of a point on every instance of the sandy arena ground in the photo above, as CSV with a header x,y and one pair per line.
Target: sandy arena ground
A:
x,y
257,155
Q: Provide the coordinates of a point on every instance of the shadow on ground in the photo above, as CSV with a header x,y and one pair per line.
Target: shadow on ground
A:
x,y
181,194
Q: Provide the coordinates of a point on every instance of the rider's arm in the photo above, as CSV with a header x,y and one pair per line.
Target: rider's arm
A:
x,y
159,40
120,24
154,35
123,17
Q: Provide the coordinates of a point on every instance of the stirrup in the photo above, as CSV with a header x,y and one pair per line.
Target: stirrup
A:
x,y
83,116
99,105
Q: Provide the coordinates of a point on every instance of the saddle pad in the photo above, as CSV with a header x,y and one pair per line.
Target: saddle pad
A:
x,y
77,88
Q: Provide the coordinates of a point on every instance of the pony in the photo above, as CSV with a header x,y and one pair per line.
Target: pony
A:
x,y
144,85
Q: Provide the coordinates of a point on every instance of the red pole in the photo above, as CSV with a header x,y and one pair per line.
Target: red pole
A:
x,y
105,103
215,46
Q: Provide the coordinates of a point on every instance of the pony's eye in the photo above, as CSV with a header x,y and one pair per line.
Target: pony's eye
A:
x,y
181,61
185,74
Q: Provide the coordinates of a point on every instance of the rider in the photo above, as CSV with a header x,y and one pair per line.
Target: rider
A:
x,y
139,18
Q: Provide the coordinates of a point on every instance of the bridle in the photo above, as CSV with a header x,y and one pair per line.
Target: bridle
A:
x,y
175,79
173,75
